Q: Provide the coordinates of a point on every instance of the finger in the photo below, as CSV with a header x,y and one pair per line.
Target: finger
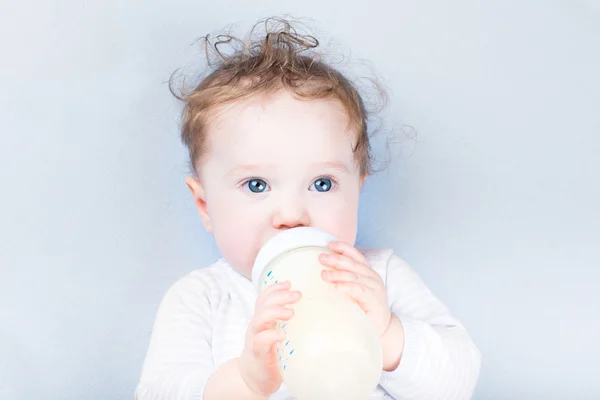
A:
x,y
280,298
340,276
285,285
270,290
265,318
264,341
347,250
360,293
345,263
337,276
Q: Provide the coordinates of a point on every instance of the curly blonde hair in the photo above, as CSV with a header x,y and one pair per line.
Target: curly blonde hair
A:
x,y
262,65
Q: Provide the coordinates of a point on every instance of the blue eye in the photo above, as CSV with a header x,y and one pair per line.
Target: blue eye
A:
x,y
256,185
322,184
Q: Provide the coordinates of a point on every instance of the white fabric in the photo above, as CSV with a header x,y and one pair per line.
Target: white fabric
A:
x,y
202,321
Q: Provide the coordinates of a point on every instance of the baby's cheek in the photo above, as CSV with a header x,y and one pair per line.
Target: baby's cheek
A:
x,y
347,233
237,247
342,224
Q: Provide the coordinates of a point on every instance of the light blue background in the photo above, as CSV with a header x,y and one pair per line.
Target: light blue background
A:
x,y
496,204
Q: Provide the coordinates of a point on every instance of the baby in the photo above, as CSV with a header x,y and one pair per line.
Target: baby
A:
x,y
278,139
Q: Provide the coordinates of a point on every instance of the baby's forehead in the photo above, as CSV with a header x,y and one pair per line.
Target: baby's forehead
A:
x,y
286,149
279,121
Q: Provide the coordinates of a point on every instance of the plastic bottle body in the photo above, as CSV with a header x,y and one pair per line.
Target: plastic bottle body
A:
x,y
331,350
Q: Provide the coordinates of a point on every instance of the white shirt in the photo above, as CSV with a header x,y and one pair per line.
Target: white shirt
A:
x,y
202,321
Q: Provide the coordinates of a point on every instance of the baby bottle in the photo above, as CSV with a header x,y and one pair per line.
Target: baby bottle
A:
x,y
331,350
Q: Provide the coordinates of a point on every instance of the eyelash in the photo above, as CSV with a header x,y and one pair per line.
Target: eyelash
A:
x,y
331,178
252,178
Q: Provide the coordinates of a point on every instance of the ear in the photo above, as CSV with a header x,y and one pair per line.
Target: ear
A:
x,y
199,201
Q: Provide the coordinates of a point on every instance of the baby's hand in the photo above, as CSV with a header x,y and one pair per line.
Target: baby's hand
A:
x,y
258,362
353,275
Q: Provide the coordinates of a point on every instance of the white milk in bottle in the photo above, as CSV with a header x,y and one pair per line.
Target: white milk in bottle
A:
x,y
331,350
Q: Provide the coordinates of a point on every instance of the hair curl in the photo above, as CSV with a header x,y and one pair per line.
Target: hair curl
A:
x,y
260,65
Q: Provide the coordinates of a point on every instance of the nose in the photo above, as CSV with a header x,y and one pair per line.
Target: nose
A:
x,y
290,214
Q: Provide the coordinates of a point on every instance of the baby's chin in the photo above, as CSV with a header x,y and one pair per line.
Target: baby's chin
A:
x,y
242,267
239,258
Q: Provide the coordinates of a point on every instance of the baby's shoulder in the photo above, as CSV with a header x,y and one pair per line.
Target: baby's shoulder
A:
x,y
383,259
207,280
377,258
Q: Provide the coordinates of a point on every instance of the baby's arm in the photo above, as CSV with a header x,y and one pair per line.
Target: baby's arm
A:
x,y
439,360
179,361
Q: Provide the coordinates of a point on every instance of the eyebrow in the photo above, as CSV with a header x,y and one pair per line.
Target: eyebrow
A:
x,y
249,168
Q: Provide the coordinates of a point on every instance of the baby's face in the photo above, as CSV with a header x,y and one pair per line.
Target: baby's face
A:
x,y
273,165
